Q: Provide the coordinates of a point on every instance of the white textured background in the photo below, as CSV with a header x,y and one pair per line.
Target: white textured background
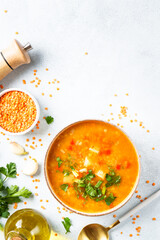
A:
x,y
122,39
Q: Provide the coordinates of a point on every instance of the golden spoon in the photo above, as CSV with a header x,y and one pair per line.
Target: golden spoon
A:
x,y
98,232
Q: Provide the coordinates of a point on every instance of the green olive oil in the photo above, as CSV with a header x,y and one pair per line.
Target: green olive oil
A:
x,y
27,224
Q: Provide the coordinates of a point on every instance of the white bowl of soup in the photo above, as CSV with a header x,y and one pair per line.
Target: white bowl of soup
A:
x,y
92,167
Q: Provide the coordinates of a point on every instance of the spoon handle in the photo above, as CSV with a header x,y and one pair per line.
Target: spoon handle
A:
x,y
140,206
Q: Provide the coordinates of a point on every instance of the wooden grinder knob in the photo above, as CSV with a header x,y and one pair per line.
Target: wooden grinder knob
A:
x,y
13,56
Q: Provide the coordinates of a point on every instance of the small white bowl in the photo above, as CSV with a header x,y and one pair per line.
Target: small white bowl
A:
x,y
37,108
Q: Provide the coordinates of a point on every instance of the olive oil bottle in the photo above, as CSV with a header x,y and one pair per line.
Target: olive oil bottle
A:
x,y
27,224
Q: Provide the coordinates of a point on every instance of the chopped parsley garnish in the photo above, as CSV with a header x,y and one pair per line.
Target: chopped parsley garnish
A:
x,y
110,199
86,187
98,184
66,173
49,119
64,187
72,168
89,176
112,178
113,181
67,224
59,161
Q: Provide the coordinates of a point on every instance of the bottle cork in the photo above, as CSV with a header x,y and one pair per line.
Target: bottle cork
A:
x,y
13,56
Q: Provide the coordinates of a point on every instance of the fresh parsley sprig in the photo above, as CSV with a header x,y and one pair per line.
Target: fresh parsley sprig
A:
x,y
12,194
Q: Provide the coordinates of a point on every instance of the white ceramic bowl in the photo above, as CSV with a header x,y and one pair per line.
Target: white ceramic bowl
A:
x,y
37,116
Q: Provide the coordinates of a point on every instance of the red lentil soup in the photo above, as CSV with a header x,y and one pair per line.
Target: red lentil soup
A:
x,y
92,166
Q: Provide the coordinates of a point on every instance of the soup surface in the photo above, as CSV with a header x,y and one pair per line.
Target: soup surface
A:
x,y
92,166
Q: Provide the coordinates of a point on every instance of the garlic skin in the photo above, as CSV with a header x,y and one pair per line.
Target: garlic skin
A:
x,y
17,149
30,167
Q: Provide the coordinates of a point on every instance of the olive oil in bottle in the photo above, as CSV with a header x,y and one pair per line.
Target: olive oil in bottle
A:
x,y
27,224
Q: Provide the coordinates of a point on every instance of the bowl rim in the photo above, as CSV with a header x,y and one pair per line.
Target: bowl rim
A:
x,y
37,108
72,209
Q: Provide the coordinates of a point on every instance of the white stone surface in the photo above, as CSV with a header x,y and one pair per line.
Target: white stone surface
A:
x,y
122,39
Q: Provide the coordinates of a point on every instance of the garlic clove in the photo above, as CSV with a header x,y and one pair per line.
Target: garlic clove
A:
x,y
17,149
30,167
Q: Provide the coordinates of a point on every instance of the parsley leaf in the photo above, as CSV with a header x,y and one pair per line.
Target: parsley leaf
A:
x,y
59,161
66,173
12,194
49,119
98,184
67,224
110,199
64,187
72,168
114,180
10,170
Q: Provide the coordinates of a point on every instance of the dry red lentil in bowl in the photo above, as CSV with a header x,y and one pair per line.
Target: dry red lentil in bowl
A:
x,y
19,111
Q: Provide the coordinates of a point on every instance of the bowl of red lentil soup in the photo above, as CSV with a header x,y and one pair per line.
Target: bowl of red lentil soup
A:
x,y
19,111
92,168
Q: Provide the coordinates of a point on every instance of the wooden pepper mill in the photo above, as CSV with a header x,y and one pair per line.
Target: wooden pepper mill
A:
x,y
13,56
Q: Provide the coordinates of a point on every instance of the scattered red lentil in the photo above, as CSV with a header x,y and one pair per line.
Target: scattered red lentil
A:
x,y
153,184
15,206
137,216
43,207
131,235
32,147
124,111
153,148
114,215
1,86
147,181
25,203
24,81
154,219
